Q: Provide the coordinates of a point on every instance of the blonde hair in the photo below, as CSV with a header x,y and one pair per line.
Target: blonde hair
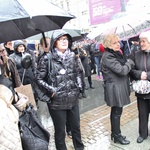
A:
x,y
108,39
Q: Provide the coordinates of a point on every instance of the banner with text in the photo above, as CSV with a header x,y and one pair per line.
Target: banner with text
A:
x,y
101,11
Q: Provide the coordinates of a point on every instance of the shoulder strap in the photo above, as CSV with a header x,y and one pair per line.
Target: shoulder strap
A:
x,y
50,68
49,63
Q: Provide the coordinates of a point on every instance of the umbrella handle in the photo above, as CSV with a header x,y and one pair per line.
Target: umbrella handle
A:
x,y
23,75
43,37
126,39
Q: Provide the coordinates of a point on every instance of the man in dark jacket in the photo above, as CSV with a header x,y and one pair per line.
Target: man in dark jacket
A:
x,y
64,87
87,62
93,66
9,47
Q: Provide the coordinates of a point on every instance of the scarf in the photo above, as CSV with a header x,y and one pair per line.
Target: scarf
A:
x,y
64,55
118,55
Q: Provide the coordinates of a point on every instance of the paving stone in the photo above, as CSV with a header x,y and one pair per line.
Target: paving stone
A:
x,y
95,128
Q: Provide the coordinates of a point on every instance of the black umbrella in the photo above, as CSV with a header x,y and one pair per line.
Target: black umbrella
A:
x,y
20,19
75,34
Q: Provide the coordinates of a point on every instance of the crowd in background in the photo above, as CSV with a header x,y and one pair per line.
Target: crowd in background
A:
x,y
89,55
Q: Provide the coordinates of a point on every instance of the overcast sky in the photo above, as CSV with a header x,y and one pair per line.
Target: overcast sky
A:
x,y
133,4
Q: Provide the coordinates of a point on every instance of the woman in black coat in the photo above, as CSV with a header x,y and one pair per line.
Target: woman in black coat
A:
x,y
63,89
141,71
20,51
115,69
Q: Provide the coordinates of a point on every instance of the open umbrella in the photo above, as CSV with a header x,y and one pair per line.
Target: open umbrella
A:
x,y
75,34
73,31
20,19
125,27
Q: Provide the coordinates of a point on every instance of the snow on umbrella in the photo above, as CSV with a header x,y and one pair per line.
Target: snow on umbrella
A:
x,y
125,27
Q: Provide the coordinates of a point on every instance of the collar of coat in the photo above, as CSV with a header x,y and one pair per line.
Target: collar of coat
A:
x,y
117,54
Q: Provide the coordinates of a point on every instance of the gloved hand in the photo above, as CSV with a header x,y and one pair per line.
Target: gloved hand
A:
x,y
53,91
131,62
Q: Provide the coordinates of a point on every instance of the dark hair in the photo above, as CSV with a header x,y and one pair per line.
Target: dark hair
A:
x,y
5,44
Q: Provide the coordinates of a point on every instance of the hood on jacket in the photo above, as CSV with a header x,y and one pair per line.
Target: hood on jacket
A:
x,y
18,43
57,34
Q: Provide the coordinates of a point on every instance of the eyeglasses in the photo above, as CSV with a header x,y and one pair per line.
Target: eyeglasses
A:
x,y
1,51
63,40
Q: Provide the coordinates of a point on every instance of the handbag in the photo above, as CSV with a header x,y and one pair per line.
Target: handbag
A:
x,y
40,92
22,101
141,86
33,134
27,91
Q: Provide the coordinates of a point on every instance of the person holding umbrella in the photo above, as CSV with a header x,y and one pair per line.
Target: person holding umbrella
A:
x,y
115,70
64,88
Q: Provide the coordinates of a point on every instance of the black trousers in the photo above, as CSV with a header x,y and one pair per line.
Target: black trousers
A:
x,y
59,120
143,110
68,128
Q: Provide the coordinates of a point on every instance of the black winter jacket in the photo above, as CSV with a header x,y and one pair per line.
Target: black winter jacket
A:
x,y
29,73
65,76
65,86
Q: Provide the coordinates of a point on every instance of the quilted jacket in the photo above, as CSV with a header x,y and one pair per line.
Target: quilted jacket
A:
x,y
9,132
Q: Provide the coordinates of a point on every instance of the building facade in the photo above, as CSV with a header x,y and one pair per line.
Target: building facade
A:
x,y
80,9
90,13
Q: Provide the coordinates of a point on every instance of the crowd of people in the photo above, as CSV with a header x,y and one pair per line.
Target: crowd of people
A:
x,y
113,61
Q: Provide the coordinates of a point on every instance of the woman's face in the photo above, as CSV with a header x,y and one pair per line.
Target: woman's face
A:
x,y
114,44
62,43
144,44
3,52
21,48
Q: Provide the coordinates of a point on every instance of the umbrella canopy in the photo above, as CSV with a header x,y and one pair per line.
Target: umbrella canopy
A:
x,y
20,19
75,34
125,27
